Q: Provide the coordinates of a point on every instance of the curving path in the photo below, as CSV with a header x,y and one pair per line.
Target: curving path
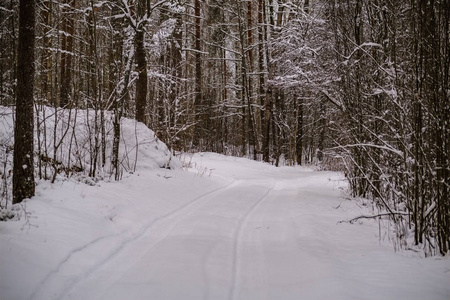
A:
x,y
252,232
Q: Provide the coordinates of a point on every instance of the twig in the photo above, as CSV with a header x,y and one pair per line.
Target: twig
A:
x,y
374,216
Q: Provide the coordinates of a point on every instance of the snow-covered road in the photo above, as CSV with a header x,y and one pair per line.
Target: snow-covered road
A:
x,y
237,229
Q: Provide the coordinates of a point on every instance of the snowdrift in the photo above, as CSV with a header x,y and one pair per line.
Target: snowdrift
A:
x,y
80,141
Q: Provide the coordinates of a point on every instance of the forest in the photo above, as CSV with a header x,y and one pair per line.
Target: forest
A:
x,y
357,86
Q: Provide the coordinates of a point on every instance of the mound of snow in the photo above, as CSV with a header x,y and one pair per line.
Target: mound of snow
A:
x,y
141,147
82,140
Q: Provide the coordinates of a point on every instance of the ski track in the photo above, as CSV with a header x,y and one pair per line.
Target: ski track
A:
x,y
179,214
82,248
235,272
67,258
209,247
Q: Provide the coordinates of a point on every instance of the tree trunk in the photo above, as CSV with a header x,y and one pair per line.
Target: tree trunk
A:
x,y
23,175
251,116
268,103
66,55
198,103
261,69
299,135
442,108
141,83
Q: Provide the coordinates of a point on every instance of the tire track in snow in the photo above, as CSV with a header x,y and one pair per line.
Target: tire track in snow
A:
x,y
66,259
235,271
179,213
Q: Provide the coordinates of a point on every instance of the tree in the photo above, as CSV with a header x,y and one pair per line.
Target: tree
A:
x,y
393,73
143,11
23,176
66,55
8,54
360,86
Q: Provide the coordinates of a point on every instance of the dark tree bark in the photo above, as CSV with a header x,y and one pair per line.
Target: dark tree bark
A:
x,y
45,59
66,55
198,103
268,103
253,135
261,77
322,124
141,83
442,110
299,135
23,176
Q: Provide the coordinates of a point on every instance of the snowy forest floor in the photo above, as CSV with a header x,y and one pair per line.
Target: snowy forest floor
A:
x,y
230,228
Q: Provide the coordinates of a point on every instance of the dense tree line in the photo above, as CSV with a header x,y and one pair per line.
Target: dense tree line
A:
x,y
359,86
393,100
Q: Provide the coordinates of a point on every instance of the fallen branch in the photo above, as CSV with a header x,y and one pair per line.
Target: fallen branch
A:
x,y
374,216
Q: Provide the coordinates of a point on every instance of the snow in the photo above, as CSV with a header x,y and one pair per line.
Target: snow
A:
x,y
230,228
222,228
139,147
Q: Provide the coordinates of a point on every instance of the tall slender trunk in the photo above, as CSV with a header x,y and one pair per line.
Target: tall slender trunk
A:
x,y
268,103
141,62
23,172
66,55
141,82
442,110
299,135
199,108
261,69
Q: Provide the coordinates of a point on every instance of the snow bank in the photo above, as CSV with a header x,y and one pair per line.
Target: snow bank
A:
x,y
74,141
141,147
